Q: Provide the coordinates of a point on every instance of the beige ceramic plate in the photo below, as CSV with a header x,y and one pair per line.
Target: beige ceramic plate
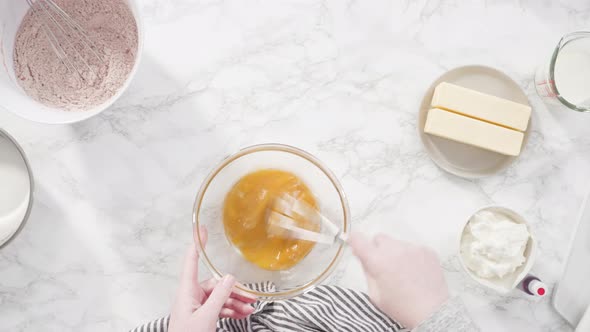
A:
x,y
461,159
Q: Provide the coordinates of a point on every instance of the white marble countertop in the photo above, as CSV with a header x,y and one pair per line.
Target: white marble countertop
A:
x,y
340,79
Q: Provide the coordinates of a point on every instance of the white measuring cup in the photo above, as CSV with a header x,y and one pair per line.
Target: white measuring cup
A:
x,y
564,82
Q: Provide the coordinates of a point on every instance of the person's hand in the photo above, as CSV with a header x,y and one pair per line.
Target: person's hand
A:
x,y
405,281
198,306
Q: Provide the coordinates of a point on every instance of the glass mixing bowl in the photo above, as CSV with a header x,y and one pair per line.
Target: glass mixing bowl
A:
x,y
222,258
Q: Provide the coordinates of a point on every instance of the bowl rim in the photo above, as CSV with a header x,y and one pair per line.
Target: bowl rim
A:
x,y
282,148
5,134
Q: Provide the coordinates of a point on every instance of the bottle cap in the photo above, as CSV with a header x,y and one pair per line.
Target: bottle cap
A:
x,y
538,288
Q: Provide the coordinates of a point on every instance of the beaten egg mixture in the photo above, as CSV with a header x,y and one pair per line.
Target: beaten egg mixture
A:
x,y
244,217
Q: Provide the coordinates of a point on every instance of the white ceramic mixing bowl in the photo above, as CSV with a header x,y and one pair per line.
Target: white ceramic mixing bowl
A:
x,y
15,100
16,188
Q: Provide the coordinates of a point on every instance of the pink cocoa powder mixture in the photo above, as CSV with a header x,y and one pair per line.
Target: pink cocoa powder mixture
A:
x,y
111,27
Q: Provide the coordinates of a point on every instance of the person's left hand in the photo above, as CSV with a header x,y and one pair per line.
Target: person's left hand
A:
x,y
198,306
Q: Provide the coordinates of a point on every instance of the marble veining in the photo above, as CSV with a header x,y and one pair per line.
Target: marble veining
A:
x,y
112,214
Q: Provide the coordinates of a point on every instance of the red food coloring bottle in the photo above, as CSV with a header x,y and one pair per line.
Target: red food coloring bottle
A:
x,y
534,286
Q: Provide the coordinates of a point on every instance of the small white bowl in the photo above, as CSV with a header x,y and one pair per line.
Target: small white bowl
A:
x,y
16,173
15,100
507,283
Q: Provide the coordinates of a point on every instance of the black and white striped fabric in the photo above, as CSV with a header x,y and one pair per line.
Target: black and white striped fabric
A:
x,y
325,308
159,325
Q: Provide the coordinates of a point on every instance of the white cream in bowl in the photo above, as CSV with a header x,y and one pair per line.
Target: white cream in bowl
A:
x,y
497,248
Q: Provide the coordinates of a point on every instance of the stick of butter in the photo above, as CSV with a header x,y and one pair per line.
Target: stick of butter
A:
x,y
470,131
481,106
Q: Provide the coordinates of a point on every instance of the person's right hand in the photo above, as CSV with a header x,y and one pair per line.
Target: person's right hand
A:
x,y
405,280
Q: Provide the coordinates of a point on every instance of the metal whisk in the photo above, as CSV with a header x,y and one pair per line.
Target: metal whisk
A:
x,y
65,35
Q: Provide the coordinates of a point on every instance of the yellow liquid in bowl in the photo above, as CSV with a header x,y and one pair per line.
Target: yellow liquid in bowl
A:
x,y
244,218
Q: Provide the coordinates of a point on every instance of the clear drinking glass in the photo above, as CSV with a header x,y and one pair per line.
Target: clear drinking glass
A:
x,y
222,258
564,82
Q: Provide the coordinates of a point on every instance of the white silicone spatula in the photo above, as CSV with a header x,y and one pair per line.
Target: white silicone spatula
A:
x,y
286,210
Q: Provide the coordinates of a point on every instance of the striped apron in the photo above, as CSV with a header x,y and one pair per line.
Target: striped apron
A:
x,y
325,308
